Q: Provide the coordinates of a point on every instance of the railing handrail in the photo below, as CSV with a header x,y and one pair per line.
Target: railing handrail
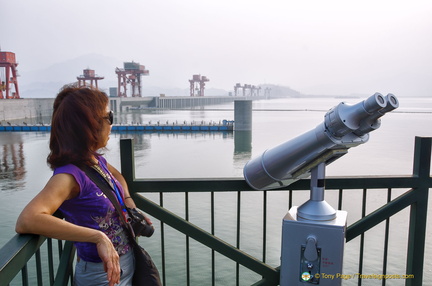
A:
x,y
234,184
15,254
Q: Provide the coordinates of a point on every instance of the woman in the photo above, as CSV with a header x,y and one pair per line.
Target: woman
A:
x,y
81,125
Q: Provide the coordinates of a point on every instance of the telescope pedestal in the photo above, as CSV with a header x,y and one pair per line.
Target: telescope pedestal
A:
x,y
312,251
316,210
313,239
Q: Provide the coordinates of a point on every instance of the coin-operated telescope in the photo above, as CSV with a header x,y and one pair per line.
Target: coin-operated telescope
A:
x,y
313,234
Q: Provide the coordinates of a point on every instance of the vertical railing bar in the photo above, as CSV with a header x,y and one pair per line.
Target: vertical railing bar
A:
x,y
362,238
418,212
60,247
386,239
50,261
38,267
340,199
71,275
264,226
290,199
213,233
161,203
187,240
238,236
24,275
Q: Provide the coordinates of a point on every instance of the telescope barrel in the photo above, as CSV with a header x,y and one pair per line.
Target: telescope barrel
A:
x,y
279,163
344,126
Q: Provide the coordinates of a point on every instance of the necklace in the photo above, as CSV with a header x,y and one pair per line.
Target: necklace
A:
x,y
105,175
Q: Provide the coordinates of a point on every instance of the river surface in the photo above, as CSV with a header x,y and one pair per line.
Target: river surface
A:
x,y
389,151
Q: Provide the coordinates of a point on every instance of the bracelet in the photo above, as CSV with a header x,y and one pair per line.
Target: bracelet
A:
x,y
127,198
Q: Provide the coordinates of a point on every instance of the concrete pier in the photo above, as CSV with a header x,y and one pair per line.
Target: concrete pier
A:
x,y
243,115
243,126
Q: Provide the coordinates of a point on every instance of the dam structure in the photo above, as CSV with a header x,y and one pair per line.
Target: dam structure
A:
x,y
123,104
35,110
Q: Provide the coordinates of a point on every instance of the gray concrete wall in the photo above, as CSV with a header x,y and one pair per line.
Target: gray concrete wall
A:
x,y
25,109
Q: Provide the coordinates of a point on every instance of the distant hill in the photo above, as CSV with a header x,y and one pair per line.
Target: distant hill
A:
x,y
280,91
47,82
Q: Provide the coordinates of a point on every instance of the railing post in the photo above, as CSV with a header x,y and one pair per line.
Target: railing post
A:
x,y
418,214
127,161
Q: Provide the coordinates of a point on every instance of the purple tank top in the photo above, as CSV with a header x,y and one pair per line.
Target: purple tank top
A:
x,y
91,208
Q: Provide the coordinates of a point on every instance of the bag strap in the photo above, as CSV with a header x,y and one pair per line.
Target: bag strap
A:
x,y
108,191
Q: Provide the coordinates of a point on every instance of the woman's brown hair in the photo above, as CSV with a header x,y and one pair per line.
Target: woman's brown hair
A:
x,y
75,126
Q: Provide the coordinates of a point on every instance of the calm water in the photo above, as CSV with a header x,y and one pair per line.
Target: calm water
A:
x,y
389,151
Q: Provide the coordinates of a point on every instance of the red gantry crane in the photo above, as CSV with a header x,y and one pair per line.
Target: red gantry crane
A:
x,y
89,75
130,74
8,76
197,80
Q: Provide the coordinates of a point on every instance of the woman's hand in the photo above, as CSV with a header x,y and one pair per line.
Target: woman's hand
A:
x,y
110,259
147,219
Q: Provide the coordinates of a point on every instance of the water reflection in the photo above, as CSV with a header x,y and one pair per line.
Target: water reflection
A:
x,y
242,142
12,162
184,154
163,154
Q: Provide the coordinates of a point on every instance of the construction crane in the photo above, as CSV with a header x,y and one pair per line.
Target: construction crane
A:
x,y
197,85
89,75
8,77
130,74
253,90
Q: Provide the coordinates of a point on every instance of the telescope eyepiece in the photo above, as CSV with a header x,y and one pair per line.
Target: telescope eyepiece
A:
x,y
344,118
374,103
392,103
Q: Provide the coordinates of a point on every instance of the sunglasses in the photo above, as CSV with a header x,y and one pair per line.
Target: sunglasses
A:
x,y
110,117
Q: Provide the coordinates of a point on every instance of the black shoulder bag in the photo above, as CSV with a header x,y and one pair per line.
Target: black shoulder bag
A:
x,y
146,272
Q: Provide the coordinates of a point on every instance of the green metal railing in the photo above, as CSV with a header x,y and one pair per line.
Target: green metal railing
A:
x,y
414,197
16,255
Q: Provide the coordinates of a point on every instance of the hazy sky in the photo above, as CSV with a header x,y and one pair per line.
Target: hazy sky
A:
x,y
315,47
